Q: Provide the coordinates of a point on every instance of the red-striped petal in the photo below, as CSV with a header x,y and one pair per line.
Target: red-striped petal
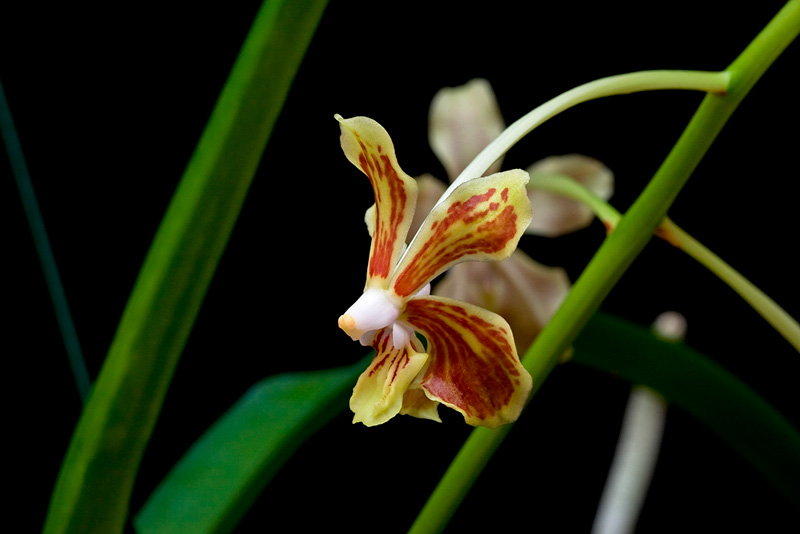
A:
x,y
368,146
482,219
378,395
473,367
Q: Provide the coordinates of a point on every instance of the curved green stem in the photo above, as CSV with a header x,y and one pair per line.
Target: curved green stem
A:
x,y
672,233
617,252
764,305
564,185
633,82
651,80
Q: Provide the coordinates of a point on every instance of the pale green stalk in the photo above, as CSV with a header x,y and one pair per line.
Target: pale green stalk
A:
x,y
568,187
652,80
775,315
711,82
617,252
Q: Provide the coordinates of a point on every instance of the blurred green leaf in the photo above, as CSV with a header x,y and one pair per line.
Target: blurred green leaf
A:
x,y
27,194
96,479
718,399
214,484
686,378
221,475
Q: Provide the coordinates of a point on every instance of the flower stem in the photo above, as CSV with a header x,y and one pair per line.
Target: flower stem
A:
x,y
634,82
564,185
711,82
618,251
672,233
761,303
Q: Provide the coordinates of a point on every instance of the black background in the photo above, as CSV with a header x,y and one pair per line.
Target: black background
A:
x,y
109,102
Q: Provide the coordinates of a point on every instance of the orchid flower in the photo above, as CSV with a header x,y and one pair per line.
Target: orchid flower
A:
x,y
468,359
463,120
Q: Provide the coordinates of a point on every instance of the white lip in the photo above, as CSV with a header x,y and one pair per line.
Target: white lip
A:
x,y
372,311
375,310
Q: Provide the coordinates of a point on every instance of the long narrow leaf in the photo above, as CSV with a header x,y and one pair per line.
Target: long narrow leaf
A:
x,y
214,484
718,399
27,194
96,479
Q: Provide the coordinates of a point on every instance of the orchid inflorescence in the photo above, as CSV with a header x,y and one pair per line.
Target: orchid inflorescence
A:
x,y
434,349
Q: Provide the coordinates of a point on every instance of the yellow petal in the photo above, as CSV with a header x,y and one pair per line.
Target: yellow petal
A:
x,y
378,395
369,218
482,219
417,404
368,146
473,367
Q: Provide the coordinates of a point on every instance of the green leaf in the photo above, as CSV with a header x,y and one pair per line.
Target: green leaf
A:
x,y
214,484
94,485
27,194
741,417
